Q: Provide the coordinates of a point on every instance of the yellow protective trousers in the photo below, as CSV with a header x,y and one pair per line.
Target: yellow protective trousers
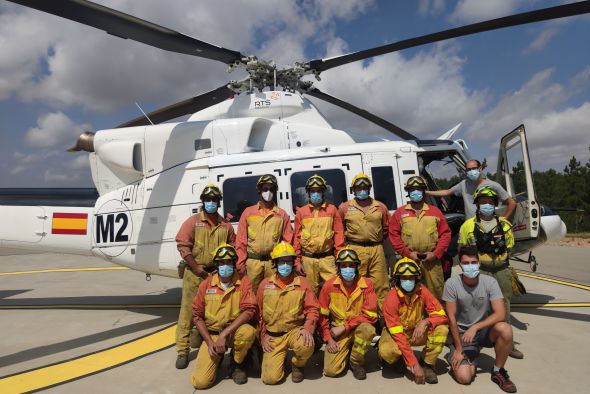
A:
x,y
316,268
257,270
356,343
433,340
273,363
433,278
374,266
504,278
205,370
190,286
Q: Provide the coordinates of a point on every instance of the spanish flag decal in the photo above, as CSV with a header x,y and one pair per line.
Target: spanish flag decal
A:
x,y
69,223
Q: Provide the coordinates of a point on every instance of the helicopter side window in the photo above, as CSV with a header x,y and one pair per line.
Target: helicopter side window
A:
x,y
384,186
335,194
239,194
201,144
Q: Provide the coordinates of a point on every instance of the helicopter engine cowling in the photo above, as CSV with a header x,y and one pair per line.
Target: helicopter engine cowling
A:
x,y
125,155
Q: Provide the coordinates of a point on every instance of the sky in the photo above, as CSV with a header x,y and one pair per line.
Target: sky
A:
x,y
59,78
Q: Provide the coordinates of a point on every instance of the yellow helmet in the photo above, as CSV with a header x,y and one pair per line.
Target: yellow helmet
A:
x,y
416,181
360,180
211,191
485,191
268,179
225,252
316,181
347,254
283,249
406,266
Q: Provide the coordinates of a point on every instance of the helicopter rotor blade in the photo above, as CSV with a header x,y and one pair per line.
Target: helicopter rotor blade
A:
x,y
561,11
188,106
129,27
315,92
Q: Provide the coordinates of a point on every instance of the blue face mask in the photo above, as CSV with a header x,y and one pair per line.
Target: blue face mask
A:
x,y
416,195
210,206
361,194
225,271
487,209
348,273
473,175
470,270
285,270
408,284
316,198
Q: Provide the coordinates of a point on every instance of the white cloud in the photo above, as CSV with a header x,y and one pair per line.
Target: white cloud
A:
x,y
56,176
79,163
469,11
54,129
431,7
424,94
541,41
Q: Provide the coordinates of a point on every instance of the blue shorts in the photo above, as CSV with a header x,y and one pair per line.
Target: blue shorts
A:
x,y
481,339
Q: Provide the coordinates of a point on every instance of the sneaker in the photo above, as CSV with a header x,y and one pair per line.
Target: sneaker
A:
x,y
358,371
502,379
296,374
429,374
181,361
238,374
517,354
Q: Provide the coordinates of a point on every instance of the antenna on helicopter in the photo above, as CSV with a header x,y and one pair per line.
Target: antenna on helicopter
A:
x,y
144,114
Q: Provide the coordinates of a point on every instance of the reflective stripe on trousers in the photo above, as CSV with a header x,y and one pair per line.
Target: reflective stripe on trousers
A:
x,y
433,340
356,343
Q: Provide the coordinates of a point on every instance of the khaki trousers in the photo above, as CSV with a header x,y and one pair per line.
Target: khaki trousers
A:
x,y
434,341
273,363
356,343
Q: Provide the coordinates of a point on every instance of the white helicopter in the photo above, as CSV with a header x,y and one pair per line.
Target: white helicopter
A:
x,y
149,174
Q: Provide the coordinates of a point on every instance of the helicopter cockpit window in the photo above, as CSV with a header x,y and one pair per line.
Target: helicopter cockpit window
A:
x,y
239,194
384,186
335,194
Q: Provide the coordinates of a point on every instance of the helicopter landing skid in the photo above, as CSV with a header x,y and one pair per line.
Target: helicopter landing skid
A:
x,y
531,261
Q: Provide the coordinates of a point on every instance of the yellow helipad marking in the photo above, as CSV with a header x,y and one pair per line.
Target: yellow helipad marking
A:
x,y
89,306
561,282
64,270
86,365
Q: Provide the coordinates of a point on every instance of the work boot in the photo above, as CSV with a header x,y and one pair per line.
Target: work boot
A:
x,y
429,374
399,366
238,374
358,371
182,361
502,379
195,339
515,353
296,374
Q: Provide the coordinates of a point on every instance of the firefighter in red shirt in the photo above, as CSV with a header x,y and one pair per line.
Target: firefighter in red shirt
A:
x,y
420,232
222,309
403,310
319,234
348,310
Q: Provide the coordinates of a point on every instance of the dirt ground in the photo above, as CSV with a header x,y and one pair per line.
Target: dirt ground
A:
x,y
573,241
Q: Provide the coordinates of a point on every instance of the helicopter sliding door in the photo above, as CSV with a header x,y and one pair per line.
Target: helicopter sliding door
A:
x,y
515,174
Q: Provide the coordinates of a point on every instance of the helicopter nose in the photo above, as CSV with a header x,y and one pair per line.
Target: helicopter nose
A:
x,y
84,142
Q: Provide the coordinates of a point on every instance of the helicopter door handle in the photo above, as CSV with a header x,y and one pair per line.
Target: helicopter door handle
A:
x,y
41,233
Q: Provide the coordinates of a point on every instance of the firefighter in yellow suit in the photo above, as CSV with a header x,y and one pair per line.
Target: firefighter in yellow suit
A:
x,y
348,311
288,313
222,309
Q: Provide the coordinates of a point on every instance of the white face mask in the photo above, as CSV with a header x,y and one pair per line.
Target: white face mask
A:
x,y
267,195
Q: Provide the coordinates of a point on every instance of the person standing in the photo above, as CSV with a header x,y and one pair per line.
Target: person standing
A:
x,y
348,312
319,234
262,226
420,232
468,186
222,309
475,307
492,235
366,225
196,241
288,314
